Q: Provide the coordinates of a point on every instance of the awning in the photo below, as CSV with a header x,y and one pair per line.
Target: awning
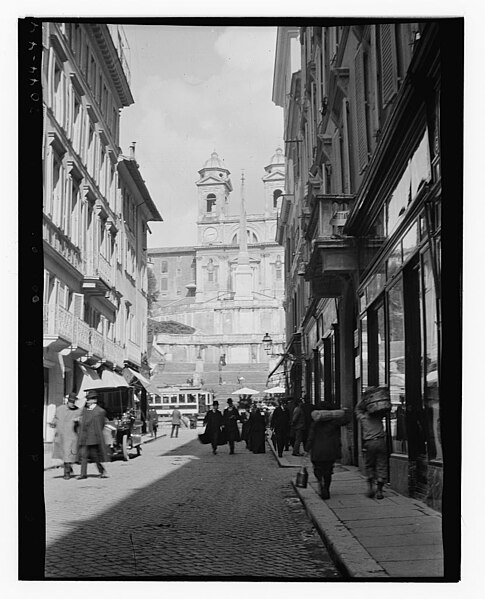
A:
x,y
279,363
144,381
90,380
112,379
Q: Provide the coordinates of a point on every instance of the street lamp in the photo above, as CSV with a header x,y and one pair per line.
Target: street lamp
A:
x,y
267,343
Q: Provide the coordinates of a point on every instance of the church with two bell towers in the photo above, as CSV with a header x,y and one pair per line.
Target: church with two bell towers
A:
x,y
227,291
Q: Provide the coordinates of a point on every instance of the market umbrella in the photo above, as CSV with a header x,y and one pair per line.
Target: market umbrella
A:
x,y
245,391
275,390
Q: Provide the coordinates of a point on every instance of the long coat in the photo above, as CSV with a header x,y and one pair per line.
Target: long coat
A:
x,y
257,428
91,430
323,442
65,439
230,417
280,422
213,422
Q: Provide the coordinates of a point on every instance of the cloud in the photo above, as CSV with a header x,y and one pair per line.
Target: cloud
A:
x,y
177,124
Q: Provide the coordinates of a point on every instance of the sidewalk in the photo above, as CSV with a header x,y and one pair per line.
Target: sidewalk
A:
x,y
396,537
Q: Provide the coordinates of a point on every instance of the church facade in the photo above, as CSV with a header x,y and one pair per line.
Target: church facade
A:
x,y
226,292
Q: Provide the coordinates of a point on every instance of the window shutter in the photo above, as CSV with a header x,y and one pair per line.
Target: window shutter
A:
x,y
360,109
77,305
337,161
388,60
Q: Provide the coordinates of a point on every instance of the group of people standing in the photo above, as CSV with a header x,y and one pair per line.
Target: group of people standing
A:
x,y
79,435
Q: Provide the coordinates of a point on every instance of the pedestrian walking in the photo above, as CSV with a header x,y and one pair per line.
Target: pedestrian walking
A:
x,y
66,422
307,408
257,430
91,442
291,404
213,422
280,424
324,444
230,416
153,423
375,448
298,426
176,422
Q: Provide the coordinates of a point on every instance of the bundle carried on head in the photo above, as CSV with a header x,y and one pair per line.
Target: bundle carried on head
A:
x,y
377,400
324,411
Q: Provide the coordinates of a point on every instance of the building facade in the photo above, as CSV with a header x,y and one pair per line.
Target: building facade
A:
x,y
226,292
95,213
361,227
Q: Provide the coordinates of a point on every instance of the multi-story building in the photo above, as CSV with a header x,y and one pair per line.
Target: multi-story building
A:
x,y
95,213
221,296
360,223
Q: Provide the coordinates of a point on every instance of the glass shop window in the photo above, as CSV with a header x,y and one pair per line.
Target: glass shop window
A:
x,y
376,345
364,353
397,368
431,382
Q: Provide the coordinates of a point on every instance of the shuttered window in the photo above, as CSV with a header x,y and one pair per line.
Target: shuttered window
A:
x,y
388,63
337,162
77,305
361,110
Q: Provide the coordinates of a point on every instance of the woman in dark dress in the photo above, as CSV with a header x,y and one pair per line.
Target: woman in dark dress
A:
x,y
257,429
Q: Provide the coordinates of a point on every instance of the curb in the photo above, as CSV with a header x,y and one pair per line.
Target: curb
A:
x,y
349,555
282,462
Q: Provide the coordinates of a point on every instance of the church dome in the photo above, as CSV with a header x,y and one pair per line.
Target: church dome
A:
x,y
278,157
214,162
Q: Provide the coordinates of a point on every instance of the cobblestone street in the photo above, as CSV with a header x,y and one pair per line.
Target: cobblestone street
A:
x,y
180,512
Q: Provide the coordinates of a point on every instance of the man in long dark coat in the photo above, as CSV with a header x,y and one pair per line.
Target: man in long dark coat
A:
x,y
324,445
280,423
213,422
91,440
257,429
65,441
230,416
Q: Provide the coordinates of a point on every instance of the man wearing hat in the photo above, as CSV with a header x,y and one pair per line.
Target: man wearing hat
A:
x,y
65,440
213,422
91,440
230,417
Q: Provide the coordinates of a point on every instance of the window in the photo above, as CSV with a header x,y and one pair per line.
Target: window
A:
x,y
362,108
276,194
397,367
431,381
211,202
164,284
376,345
164,266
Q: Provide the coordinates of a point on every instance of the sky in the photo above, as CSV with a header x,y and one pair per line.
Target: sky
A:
x,y
198,89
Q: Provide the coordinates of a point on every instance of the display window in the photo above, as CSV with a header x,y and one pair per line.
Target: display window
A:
x,y
397,368
431,356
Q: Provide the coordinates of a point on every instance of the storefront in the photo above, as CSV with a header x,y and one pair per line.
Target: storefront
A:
x,y
400,332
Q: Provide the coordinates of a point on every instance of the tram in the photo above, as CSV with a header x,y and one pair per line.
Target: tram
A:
x,y
191,401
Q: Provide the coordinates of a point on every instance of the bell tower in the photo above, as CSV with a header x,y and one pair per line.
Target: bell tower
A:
x,y
274,183
213,187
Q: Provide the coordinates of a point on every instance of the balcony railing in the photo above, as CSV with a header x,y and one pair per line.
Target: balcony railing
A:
x,y
61,243
133,352
97,344
82,334
105,271
58,322
113,352
328,216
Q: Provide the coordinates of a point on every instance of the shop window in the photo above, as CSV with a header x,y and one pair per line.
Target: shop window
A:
x,y
364,353
431,381
397,368
376,346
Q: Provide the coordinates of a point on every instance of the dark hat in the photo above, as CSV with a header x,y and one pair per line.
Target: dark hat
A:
x,y
92,395
229,400
215,403
72,397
